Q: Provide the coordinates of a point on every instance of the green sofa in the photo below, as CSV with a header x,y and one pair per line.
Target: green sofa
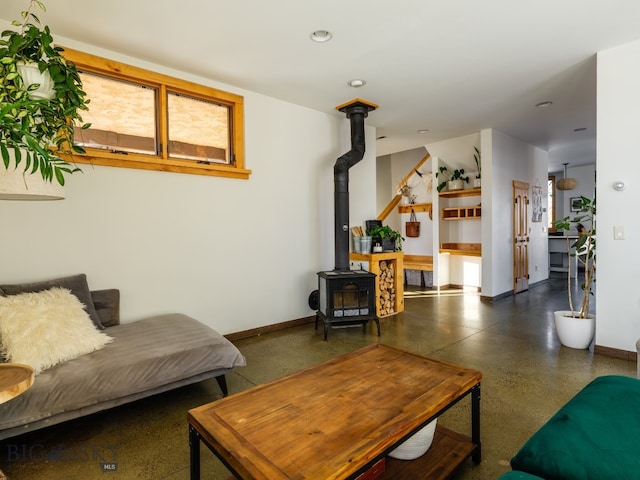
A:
x,y
595,436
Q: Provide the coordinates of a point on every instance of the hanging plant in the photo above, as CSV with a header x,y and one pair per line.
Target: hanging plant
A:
x,y
38,130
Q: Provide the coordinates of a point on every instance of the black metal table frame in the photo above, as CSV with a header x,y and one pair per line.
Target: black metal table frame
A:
x,y
195,438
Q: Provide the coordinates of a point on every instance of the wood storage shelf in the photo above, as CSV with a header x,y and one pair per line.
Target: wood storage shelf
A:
x,y
468,249
417,208
462,213
388,268
470,192
448,450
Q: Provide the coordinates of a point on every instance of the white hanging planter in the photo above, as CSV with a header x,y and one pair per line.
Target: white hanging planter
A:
x,y
575,332
31,74
15,184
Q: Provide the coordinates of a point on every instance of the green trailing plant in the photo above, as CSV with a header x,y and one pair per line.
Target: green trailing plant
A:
x,y
477,158
38,130
447,176
584,250
379,232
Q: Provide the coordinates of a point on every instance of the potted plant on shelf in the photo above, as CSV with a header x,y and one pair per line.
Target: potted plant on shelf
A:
x,y
405,191
576,328
390,239
477,183
41,97
453,181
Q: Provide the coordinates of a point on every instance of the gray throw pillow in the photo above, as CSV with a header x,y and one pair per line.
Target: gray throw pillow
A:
x,y
76,283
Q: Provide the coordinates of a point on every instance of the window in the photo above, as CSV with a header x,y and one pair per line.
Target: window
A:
x,y
141,119
123,116
208,138
551,203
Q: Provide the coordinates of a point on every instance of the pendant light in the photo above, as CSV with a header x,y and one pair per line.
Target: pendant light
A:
x,y
16,184
566,183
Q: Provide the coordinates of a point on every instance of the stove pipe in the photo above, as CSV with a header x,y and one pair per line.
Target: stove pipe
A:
x,y
356,111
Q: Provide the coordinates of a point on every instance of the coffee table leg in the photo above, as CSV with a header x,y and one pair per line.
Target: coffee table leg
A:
x,y
194,453
475,423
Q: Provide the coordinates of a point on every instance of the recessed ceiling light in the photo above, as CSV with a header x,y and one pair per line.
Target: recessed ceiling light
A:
x,y
356,83
424,130
544,104
321,36
579,129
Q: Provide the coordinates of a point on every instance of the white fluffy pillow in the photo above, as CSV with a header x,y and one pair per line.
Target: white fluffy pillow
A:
x,y
45,328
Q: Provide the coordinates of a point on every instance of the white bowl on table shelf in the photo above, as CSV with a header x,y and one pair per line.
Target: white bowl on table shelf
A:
x,y
416,445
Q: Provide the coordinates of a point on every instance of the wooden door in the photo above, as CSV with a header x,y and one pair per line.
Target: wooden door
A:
x,y
520,236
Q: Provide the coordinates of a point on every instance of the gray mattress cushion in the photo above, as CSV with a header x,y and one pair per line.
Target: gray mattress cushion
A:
x,y
144,355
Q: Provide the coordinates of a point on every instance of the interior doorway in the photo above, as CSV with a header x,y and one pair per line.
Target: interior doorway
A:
x,y
520,236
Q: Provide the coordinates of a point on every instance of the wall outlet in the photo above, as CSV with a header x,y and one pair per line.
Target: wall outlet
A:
x,y
618,232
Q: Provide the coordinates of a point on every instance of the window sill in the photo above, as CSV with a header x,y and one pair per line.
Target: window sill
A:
x,y
170,165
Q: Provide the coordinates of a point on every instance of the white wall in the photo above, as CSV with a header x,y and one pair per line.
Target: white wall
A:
x,y
505,159
234,254
457,153
383,182
617,293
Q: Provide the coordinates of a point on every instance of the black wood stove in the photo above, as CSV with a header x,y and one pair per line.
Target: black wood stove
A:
x,y
346,297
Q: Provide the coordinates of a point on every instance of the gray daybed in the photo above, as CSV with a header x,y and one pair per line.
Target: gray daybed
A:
x,y
146,357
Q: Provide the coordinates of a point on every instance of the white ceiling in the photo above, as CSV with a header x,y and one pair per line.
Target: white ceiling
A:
x,y
453,67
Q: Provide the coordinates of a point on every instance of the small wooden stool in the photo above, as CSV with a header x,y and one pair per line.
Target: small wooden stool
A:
x,y
15,379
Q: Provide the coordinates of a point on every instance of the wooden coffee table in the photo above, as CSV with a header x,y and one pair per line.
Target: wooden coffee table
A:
x,y
337,419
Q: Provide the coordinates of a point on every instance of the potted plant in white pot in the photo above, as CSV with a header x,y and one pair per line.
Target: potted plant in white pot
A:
x,y
477,182
41,97
453,181
576,327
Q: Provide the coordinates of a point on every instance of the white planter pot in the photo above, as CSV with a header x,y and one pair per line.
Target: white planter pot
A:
x,y
15,184
455,185
575,332
477,182
31,74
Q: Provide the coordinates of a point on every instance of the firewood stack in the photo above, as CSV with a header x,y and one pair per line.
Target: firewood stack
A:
x,y
386,289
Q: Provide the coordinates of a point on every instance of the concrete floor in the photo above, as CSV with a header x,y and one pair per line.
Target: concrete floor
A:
x,y
527,376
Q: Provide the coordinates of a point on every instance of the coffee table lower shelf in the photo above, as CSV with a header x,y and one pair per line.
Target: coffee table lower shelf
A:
x,y
448,450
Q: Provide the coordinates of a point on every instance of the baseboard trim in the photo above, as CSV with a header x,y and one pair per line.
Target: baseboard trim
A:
x,y
253,332
510,293
502,296
538,283
461,287
615,352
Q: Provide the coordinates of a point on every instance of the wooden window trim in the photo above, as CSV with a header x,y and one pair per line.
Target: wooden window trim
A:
x,y
163,162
